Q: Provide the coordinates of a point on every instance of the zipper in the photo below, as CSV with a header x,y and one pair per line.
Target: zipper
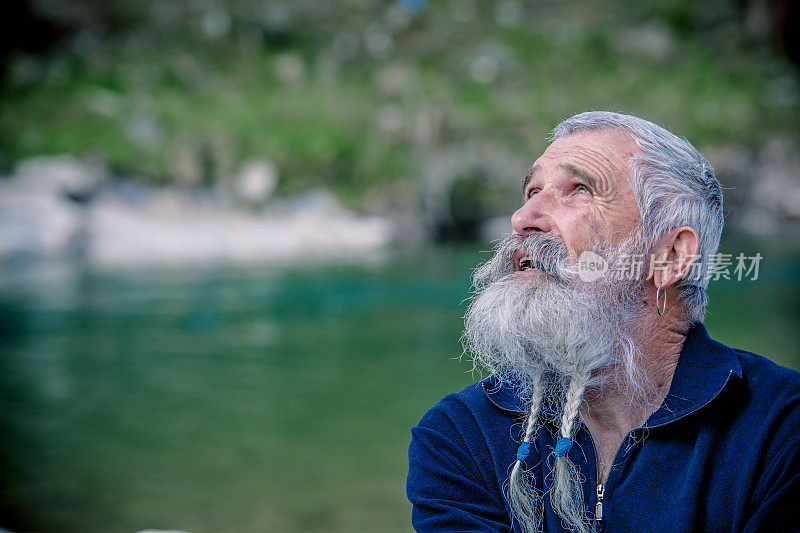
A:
x,y
601,488
598,507
597,477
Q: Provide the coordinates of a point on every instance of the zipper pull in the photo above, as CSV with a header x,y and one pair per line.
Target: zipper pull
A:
x,y
598,508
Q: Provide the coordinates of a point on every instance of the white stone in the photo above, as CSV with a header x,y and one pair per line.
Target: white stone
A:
x,y
651,41
58,175
34,225
508,13
390,118
290,69
378,42
144,129
172,229
256,180
463,10
216,23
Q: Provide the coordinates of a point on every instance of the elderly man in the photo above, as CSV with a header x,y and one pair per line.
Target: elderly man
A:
x,y
609,407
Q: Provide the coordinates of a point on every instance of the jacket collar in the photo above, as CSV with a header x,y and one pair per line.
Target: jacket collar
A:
x,y
704,368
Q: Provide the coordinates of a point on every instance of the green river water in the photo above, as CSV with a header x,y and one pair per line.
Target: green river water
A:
x,y
263,398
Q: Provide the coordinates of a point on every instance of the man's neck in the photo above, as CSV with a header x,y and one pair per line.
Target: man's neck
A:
x,y
610,414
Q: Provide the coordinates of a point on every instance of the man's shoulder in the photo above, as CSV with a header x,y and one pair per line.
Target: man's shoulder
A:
x,y
767,379
470,398
766,404
762,377
467,428
479,402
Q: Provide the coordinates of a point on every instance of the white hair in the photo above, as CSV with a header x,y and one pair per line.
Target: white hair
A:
x,y
674,186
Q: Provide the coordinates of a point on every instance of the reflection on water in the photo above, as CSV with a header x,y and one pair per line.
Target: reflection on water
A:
x,y
258,399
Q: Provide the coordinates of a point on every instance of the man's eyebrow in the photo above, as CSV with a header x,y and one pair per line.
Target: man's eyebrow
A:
x,y
590,180
529,176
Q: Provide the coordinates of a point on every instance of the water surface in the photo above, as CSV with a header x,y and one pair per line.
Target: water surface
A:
x,y
259,398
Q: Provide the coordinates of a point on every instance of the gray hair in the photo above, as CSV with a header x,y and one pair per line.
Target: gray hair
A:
x,y
674,186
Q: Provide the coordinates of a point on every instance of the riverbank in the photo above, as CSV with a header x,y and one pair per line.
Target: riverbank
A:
x,y
63,208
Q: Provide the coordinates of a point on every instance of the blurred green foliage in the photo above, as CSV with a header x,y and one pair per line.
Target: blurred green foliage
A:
x,y
353,95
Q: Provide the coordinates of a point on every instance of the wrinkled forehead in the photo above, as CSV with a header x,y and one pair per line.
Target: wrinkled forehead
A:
x,y
606,147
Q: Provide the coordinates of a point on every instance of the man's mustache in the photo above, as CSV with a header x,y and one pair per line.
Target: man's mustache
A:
x,y
547,253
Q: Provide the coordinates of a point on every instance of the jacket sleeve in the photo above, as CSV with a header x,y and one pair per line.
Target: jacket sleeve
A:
x,y
777,492
449,489
780,511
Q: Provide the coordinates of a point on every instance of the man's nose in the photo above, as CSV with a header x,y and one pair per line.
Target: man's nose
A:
x,y
531,217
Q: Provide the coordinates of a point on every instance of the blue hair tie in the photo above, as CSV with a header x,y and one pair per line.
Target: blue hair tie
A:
x,y
523,451
562,446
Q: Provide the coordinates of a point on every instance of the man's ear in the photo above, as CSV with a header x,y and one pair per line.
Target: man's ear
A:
x,y
674,255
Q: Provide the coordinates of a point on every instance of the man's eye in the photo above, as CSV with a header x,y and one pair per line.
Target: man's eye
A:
x,y
530,193
582,189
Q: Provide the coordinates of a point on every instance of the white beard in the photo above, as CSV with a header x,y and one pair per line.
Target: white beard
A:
x,y
549,331
553,324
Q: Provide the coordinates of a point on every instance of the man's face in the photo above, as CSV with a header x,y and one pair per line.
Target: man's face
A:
x,y
579,191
